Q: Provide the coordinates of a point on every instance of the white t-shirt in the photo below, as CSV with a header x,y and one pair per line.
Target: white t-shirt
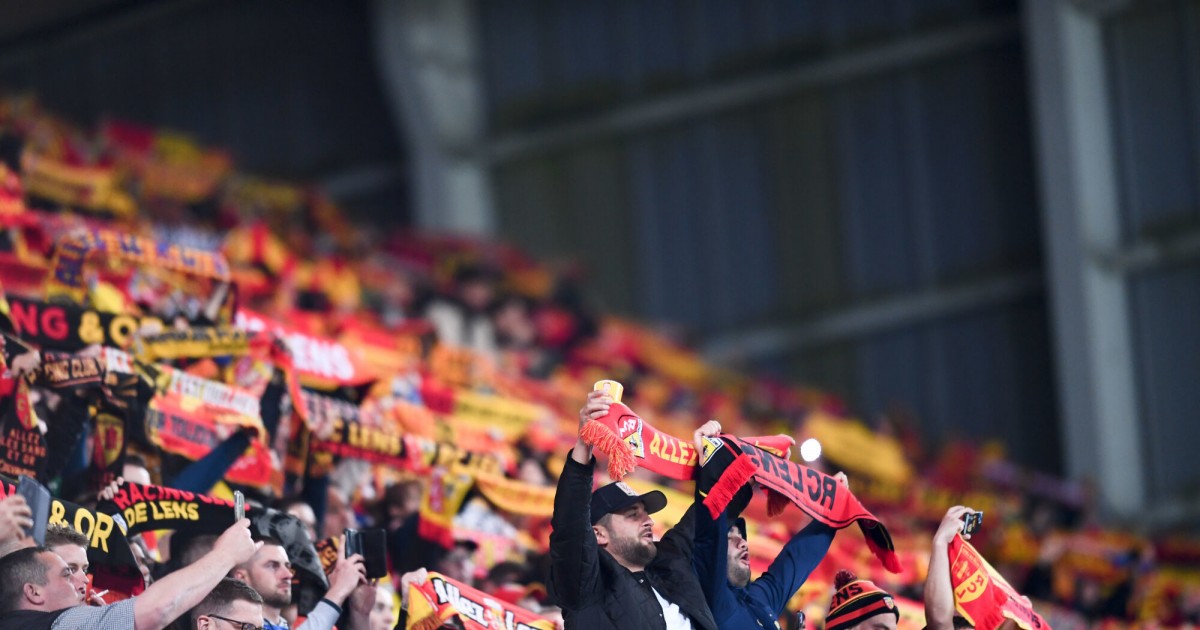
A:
x,y
674,617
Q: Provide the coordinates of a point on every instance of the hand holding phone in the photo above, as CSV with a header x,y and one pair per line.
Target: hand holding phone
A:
x,y
371,544
971,523
38,498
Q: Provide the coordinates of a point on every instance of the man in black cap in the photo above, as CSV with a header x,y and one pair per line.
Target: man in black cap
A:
x,y
606,569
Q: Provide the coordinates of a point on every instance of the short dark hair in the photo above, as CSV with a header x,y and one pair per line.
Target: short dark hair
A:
x,y
225,593
194,548
267,541
21,567
133,459
57,535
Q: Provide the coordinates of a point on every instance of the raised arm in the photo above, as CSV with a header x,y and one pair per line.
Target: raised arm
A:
x,y
168,598
939,594
793,565
791,568
574,554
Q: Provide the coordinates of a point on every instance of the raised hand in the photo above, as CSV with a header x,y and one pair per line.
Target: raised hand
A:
x,y
712,428
15,518
951,524
235,544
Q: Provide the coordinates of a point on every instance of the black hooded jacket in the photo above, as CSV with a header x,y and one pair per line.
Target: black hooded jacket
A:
x,y
594,591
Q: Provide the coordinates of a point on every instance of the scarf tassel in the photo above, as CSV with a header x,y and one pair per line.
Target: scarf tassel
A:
x,y
600,437
736,475
886,556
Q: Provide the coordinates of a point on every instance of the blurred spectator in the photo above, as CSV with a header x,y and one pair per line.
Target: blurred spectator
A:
x,y
232,602
339,515
383,613
303,512
134,469
462,318
400,501
141,555
459,562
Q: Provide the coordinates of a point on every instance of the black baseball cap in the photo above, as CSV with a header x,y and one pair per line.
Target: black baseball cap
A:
x,y
618,495
740,524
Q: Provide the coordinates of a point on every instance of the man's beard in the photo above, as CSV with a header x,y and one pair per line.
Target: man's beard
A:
x,y
275,599
633,549
739,575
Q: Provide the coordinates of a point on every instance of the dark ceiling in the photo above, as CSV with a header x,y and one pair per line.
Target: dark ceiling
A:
x,y
289,88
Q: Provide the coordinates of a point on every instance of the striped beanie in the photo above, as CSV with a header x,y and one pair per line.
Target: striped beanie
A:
x,y
855,600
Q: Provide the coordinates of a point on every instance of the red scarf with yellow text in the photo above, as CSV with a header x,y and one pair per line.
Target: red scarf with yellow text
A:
x,y
982,597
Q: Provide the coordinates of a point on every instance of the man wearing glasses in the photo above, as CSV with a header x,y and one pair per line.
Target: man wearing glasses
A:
x,y
232,605
37,591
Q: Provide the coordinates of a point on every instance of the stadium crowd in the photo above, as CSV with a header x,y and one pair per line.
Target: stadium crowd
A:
x,y
176,332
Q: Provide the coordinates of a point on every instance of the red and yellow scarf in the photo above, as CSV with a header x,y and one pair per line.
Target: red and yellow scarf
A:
x,y
630,442
982,597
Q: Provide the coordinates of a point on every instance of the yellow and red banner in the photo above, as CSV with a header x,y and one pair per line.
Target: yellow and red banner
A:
x,y
440,599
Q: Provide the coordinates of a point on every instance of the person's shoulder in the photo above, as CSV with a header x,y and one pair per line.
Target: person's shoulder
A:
x,y
118,616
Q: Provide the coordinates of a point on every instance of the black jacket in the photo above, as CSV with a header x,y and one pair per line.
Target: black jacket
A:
x,y
595,591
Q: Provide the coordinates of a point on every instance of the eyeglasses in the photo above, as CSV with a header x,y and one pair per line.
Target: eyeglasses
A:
x,y
240,625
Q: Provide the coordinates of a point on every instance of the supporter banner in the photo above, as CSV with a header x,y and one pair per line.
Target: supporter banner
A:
x,y
72,253
385,351
168,166
12,199
517,497
95,188
192,343
324,411
23,448
319,361
273,196
858,448
352,439
113,566
982,597
213,396
441,599
444,495
70,327
459,367
509,416
143,508
193,434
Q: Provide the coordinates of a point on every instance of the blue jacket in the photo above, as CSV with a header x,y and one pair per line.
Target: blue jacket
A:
x,y
763,600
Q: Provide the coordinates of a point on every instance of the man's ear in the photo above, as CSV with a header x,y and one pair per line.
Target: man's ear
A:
x,y
239,574
33,594
601,535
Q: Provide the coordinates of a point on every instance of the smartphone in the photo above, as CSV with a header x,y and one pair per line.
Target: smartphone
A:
x,y
239,506
371,544
38,498
971,523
